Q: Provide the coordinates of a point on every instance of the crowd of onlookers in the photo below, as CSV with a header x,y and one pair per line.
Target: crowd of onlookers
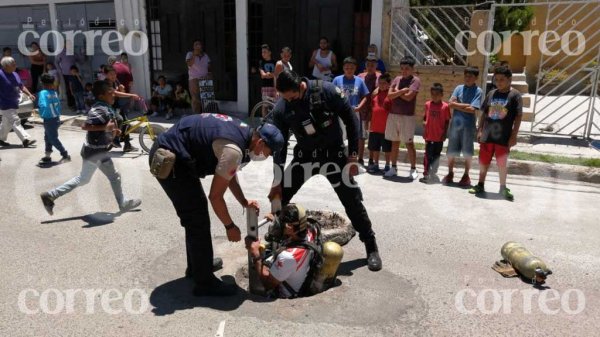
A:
x,y
385,106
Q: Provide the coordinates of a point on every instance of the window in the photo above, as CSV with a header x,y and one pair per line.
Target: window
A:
x,y
155,41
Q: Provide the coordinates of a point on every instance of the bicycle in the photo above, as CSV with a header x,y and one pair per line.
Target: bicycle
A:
x,y
149,132
256,114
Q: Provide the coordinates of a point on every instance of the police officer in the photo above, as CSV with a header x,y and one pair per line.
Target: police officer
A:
x,y
311,110
211,144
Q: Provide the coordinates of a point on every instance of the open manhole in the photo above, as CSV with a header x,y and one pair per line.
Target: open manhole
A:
x,y
334,227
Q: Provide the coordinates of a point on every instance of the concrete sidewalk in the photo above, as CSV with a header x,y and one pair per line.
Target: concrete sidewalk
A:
x,y
551,145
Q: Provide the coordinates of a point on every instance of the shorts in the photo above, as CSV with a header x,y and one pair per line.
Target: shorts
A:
x,y
377,142
460,140
268,92
400,128
488,150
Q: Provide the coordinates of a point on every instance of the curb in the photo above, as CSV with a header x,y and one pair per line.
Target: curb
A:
x,y
516,167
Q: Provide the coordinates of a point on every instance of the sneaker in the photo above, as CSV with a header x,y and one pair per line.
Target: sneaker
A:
x,y
155,114
386,168
129,205
45,160
361,169
448,179
373,168
414,174
116,144
48,202
477,189
215,288
65,159
3,143
391,172
28,142
433,179
465,181
424,180
130,149
507,194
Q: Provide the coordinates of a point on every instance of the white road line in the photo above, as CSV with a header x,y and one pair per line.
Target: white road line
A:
x,y
221,329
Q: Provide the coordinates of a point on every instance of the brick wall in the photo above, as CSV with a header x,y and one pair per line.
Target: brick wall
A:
x,y
448,76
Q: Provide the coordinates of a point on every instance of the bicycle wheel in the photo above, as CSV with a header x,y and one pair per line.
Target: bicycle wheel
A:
x,y
256,112
146,141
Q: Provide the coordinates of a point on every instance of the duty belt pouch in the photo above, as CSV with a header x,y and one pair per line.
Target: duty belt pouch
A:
x,y
162,163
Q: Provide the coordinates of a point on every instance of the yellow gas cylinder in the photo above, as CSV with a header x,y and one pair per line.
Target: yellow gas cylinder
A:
x,y
332,256
528,265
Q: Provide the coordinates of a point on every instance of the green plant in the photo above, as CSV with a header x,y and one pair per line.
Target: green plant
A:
x,y
554,75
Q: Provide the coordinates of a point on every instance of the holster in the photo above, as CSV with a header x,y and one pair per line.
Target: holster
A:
x,y
162,163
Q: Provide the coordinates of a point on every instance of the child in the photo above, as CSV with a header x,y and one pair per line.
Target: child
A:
x,y
49,105
401,123
88,96
284,63
162,98
498,128
370,76
76,85
182,98
465,101
355,89
266,67
381,106
435,125
51,70
101,128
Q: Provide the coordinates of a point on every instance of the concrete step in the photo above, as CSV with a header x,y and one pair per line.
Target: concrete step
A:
x,y
522,86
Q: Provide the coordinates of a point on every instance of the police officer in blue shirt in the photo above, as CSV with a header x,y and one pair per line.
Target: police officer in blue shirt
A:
x,y
311,110
211,144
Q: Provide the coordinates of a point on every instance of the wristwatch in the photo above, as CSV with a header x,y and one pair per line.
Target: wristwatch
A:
x,y
230,226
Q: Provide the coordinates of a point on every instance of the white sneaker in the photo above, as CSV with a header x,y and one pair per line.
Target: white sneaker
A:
x,y
414,174
361,169
391,172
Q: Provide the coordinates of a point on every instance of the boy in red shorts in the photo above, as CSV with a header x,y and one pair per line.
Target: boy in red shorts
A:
x,y
498,128
437,119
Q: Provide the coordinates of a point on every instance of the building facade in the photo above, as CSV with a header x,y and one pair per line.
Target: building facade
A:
x,y
231,30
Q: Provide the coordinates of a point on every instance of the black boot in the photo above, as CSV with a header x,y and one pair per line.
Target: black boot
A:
x,y
215,287
373,259
217,265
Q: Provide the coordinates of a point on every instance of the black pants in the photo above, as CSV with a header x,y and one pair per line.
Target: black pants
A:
x,y
431,160
190,202
70,97
36,71
307,163
124,127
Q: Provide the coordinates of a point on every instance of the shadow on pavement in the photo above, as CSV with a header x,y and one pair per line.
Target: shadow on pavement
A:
x,y
177,295
398,179
346,268
91,220
490,196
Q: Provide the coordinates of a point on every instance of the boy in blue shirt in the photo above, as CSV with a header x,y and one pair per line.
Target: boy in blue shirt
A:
x,y
356,91
49,107
465,102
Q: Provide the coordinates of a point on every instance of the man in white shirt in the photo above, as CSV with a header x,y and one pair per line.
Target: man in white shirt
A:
x,y
290,267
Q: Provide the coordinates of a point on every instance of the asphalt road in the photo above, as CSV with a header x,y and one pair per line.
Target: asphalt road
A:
x,y
88,271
